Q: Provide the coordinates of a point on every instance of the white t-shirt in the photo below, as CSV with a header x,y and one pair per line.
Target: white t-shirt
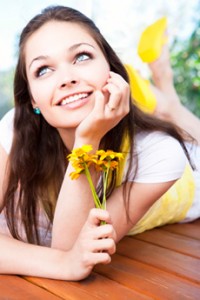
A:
x,y
6,130
160,157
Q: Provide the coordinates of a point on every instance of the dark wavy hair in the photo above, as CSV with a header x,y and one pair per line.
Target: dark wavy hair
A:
x,y
37,161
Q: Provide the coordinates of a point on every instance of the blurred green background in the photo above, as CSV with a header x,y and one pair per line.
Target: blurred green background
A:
x,y
185,58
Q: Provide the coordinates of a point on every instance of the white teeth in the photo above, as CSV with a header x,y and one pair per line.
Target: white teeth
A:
x,y
73,98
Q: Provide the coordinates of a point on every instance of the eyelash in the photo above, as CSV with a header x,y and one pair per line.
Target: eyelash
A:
x,y
81,53
37,72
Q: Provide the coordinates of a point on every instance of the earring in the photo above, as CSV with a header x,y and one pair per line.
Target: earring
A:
x,y
36,110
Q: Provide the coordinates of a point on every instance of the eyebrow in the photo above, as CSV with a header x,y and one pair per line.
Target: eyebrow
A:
x,y
73,47
78,45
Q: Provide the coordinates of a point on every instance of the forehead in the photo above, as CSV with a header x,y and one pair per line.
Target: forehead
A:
x,y
62,27
58,34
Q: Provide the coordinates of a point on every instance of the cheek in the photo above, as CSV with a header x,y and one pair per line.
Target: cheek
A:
x,y
100,74
105,71
40,93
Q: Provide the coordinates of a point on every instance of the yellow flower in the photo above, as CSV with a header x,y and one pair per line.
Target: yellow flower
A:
x,y
104,161
113,164
100,165
74,175
108,159
109,155
80,158
80,154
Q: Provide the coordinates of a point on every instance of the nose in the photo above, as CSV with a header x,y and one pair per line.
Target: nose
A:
x,y
66,83
67,79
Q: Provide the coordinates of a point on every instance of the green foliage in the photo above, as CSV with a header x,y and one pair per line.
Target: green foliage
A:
x,y
6,94
185,60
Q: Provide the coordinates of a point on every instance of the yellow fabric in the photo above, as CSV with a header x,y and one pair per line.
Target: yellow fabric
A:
x,y
140,90
122,163
172,207
152,41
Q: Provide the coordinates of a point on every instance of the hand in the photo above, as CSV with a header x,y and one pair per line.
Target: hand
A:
x,y
95,244
111,105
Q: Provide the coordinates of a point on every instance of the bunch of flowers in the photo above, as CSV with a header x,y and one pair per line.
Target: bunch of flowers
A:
x,y
103,161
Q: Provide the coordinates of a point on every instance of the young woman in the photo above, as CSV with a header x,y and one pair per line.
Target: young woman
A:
x,y
71,90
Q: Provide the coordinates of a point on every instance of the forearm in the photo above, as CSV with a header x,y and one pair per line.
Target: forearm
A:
x,y
141,198
90,248
75,199
74,203
25,259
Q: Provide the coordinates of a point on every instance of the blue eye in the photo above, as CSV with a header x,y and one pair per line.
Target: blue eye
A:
x,y
42,71
82,57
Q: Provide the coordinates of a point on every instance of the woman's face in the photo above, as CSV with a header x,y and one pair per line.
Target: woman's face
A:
x,y
64,66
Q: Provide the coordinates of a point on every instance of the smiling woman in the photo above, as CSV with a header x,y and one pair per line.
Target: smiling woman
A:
x,y
62,73
72,90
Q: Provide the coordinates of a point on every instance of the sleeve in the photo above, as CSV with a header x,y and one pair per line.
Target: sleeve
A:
x,y
6,130
160,158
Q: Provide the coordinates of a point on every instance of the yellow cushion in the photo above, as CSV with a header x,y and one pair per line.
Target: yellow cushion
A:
x,y
172,207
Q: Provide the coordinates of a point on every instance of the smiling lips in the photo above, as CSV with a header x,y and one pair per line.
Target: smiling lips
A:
x,y
74,98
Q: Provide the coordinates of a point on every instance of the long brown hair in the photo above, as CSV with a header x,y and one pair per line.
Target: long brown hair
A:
x,y
37,160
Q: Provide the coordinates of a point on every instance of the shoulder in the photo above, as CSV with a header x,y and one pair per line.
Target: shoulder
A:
x,y
6,130
160,141
160,157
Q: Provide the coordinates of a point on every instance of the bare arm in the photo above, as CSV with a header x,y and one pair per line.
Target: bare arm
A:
x,y
24,259
3,161
95,244
75,197
142,197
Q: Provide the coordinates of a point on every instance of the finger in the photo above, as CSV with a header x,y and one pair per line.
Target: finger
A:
x,y
118,100
96,215
114,98
104,245
89,259
119,91
100,258
118,80
104,231
100,102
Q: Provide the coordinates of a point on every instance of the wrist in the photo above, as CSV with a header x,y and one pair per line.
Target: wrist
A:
x,y
72,267
62,265
79,142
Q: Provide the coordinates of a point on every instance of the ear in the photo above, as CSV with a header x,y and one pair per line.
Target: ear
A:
x,y
34,104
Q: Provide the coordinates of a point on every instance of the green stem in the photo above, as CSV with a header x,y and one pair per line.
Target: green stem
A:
x,y
94,194
105,182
